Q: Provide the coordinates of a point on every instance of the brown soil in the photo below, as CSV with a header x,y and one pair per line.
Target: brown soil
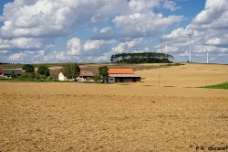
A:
x,y
117,117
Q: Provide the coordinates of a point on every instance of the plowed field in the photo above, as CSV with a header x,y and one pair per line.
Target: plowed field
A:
x,y
143,116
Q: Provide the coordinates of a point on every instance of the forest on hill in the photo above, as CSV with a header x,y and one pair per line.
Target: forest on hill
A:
x,y
142,57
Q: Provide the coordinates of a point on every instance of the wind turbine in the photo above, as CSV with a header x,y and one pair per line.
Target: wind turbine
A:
x,y
205,49
190,47
165,48
161,41
19,58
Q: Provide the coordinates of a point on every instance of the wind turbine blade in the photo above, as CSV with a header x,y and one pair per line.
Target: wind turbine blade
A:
x,y
205,48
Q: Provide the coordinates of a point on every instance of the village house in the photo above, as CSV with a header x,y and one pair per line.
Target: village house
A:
x,y
61,76
122,75
86,75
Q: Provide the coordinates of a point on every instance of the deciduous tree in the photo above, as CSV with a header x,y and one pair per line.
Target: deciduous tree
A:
x,y
28,68
71,70
43,70
103,73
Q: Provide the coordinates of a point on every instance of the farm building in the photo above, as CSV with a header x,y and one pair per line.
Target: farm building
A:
x,y
86,75
61,76
6,72
123,75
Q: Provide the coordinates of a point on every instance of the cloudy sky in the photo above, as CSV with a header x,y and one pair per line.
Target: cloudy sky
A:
x,y
35,31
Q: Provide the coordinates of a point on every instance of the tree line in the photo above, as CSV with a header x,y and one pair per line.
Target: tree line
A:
x,y
8,63
71,71
142,57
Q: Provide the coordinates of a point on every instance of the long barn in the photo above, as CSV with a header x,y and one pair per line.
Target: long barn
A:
x,y
7,73
123,75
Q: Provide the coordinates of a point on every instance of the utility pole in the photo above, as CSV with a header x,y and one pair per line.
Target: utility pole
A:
x,y
159,76
72,72
226,83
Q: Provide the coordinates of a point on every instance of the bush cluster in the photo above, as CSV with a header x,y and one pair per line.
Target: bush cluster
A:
x,y
173,64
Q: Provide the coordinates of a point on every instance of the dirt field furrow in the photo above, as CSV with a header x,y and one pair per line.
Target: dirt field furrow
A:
x,y
116,117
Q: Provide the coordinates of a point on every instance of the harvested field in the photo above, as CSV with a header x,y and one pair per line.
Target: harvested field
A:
x,y
112,117
189,75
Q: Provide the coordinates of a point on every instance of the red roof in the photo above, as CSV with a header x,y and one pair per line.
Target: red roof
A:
x,y
120,71
63,72
86,73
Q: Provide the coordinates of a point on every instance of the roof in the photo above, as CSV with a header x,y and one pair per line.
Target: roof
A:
x,y
120,71
61,71
124,75
10,71
86,73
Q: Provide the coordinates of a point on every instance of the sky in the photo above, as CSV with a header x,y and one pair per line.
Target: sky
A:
x,y
58,31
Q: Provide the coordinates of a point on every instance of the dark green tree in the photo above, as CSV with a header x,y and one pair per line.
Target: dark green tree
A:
x,y
103,73
43,70
28,68
71,70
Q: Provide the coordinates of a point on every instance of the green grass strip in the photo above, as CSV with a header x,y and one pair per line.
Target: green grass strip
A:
x,y
168,86
217,86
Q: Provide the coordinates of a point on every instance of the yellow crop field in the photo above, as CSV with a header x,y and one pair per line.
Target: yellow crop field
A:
x,y
164,112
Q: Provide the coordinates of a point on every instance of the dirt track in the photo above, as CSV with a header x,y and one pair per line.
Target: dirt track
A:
x,y
112,117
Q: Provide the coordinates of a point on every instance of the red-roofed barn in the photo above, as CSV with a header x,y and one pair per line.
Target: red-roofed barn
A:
x,y
87,75
123,75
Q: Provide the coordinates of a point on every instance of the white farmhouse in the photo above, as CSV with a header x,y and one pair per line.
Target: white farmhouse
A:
x,y
61,76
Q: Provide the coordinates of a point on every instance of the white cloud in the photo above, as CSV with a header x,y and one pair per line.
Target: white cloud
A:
x,y
144,25
129,46
105,30
22,43
213,16
96,44
170,5
35,24
54,18
143,5
74,46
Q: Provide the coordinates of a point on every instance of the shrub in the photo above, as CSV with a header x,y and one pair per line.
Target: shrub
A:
x,y
96,78
43,77
13,75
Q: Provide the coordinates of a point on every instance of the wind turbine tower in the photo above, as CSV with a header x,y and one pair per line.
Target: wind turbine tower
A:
x,y
190,47
206,50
